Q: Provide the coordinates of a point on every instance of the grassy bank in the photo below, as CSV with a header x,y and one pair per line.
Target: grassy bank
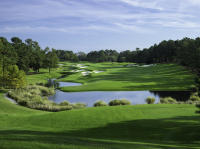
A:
x,y
36,97
125,77
141,126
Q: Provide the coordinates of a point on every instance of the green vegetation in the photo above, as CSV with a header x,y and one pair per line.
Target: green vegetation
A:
x,y
168,100
198,106
100,104
127,77
194,98
150,100
157,126
12,77
118,102
36,97
167,125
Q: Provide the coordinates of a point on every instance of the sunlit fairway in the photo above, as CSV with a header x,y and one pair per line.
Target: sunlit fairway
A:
x,y
117,76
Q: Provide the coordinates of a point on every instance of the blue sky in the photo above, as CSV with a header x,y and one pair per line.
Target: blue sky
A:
x,y
85,25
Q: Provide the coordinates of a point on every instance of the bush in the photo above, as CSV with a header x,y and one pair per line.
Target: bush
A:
x,y
150,100
64,103
33,97
79,105
125,102
100,104
46,91
117,102
168,100
22,102
194,98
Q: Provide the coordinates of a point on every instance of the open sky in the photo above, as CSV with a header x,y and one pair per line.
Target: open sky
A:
x,y
85,25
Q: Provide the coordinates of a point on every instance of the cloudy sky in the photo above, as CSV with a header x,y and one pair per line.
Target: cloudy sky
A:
x,y
84,25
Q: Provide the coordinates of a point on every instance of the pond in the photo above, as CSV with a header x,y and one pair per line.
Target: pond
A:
x,y
136,97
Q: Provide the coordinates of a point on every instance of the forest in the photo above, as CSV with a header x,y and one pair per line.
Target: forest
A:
x,y
185,52
18,58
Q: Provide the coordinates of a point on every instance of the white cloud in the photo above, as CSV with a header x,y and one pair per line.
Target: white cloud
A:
x,y
134,28
30,29
114,18
139,3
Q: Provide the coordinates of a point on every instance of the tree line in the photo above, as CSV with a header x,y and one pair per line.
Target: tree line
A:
x,y
184,52
18,57
21,57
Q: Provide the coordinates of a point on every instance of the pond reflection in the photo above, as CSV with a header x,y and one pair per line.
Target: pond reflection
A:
x,y
89,98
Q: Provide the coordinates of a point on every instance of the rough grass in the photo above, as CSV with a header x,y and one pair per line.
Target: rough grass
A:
x,y
36,97
141,127
118,77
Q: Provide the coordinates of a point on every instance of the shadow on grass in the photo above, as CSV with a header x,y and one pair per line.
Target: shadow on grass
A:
x,y
179,132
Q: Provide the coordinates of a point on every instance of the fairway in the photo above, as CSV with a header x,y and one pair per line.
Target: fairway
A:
x,y
127,77
141,127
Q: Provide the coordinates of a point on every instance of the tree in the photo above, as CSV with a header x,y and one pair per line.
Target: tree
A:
x,y
82,56
13,77
51,59
22,53
7,55
36,54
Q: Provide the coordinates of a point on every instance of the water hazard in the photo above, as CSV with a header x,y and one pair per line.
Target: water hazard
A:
x,y
89,98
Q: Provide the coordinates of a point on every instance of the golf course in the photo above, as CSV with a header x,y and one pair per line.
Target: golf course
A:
x,y
155,126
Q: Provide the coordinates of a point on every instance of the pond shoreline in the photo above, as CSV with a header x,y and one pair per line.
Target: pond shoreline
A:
x,y
90,97
10,99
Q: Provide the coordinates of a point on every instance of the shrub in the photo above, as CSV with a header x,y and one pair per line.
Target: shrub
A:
x,y
64,103
125,102
100,104
192,102
168,100
23,102
79,105
46,91
33,97
117,102
114,102
150,100
194,98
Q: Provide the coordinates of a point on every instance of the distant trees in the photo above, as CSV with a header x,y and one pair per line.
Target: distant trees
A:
x,y
102,56
185,52
67,55
29,55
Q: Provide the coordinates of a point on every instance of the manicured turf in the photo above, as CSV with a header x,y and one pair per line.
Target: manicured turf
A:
x,y
43,75
118,77
140,127
122,127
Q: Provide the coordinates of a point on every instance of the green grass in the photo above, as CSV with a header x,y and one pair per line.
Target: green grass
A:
x,y
159,126
141,127
43,75
116,77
